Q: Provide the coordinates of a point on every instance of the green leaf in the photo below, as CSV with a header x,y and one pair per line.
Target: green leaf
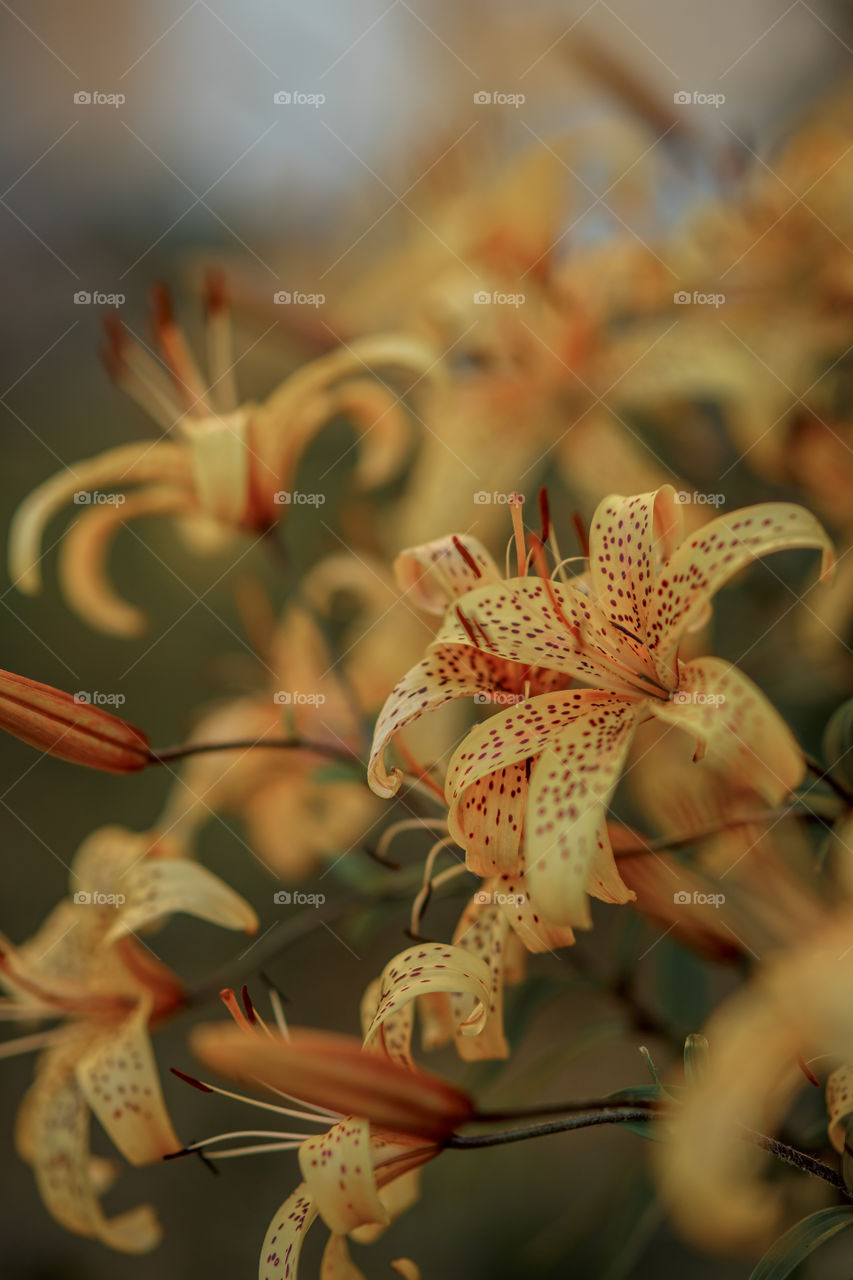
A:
x,y
796,1245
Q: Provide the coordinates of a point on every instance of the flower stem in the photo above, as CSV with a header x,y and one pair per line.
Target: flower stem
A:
x,y
183,750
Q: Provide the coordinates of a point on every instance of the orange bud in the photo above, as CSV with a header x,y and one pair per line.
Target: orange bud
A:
x,y
55,722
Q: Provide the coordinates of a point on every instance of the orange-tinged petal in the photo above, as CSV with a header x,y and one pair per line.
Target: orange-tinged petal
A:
x,y
406,1268
483,931
286,1236
434,967
436,574
130,464
395,1034
336,1263
628,539
118,1078
333,1071
338,1170
159,887
704,563
568,852
448,671
743,733
489,818
83,574
53,1137
57,723
220,454
535,932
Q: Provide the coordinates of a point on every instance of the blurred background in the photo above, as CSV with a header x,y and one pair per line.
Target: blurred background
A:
x,y
140,142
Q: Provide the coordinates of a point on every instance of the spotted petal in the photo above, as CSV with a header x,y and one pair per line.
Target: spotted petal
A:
x,y
159,887
449,671
286,1236
704,563
571,785
743,734
118,1078
434,967
338,1170
438,573
628,539
483,931
53,1136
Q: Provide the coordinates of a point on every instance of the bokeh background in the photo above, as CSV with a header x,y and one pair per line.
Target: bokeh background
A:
x,y
199,162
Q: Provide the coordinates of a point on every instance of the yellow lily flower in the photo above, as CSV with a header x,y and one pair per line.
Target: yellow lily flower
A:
x,y
550,764
85,968
383,1121
234,465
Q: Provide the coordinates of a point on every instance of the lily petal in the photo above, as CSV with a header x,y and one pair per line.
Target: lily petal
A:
x,y
82,557
336,1263
482,931
743,733
53,1136
628,539
159,887
448,671
338,1170
438,573
286,1236
434,967
704,563
128,465
118,1078
488,820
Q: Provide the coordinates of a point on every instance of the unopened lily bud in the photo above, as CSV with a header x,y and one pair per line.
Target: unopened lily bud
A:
x,y
68,727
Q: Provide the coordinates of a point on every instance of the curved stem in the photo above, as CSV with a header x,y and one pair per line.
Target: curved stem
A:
x,y
661,844
602,1113
163,755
